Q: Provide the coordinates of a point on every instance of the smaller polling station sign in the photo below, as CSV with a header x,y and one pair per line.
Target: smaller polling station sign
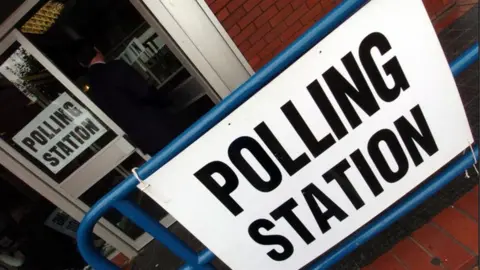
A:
x,y
361,119
59,133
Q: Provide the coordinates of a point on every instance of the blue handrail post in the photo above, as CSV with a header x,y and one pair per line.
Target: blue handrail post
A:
x,y
464,60
154,228
85,230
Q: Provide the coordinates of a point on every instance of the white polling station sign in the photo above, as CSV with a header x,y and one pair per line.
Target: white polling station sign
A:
x,y
353,125
59,133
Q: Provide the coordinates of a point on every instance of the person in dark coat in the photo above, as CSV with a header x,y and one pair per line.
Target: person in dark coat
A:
x,y
123,94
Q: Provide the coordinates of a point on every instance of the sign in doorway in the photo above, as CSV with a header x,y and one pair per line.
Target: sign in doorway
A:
x,y
59,133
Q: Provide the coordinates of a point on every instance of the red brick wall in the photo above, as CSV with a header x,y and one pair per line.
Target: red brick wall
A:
x,y
263,28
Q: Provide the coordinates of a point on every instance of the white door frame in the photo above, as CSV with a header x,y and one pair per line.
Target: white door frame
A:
x,y
16,16
90,172
226,37
199,39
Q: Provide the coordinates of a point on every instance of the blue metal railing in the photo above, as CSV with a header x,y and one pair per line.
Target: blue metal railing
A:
x,y
117,197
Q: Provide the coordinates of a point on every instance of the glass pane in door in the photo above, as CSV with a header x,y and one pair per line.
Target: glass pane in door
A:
x,y
41,119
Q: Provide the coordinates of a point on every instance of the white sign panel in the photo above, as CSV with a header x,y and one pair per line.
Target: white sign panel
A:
x,y
352,126
58,134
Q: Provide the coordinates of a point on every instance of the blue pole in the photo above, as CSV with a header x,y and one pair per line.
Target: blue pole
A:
x,y
463,61
154,228
205,256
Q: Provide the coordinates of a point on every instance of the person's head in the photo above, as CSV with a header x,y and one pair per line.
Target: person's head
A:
x,y
87,54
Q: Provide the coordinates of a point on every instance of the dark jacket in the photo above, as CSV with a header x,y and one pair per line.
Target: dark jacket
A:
x,y
119,91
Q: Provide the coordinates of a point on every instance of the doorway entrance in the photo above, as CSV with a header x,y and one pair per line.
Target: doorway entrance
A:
x,y
54,132
34,233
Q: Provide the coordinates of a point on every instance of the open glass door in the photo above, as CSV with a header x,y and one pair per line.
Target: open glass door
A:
x,y
49,126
